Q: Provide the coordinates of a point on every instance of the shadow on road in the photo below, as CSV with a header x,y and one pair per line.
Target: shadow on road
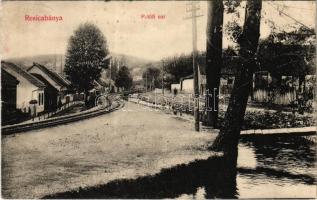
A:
x,y
213,175
217,176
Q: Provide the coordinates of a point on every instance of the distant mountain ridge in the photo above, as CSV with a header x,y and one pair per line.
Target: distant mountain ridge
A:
x,y
56,62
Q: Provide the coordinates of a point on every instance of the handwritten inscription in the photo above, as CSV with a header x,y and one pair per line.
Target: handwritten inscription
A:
x,y
152,16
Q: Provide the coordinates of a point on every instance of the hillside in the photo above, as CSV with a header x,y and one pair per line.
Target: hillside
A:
x,y
56,62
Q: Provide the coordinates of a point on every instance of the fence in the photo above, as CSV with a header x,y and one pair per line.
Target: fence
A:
x,y
275,97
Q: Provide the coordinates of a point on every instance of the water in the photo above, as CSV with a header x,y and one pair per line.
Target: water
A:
x,y
267,167
281,167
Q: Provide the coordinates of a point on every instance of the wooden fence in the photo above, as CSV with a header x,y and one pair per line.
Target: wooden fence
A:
x,y
266,96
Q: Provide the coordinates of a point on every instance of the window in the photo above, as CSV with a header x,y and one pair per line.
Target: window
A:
x,y
41,99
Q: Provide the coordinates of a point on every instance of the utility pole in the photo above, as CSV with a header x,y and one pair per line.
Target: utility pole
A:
x,y
110,64
192,8
146,82
163,77
55,68
62,72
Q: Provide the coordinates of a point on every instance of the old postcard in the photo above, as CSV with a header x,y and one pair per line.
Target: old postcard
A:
x,y
158,99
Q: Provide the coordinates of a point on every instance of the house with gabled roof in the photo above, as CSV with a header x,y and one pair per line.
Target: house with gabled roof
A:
x,y
50,94
58,82
8,93
30,90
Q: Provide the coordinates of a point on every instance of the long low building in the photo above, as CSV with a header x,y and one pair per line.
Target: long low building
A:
x,y
8,96
29,90
55,80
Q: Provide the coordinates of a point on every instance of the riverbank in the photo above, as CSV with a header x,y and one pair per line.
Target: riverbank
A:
x,y
308,132
255,117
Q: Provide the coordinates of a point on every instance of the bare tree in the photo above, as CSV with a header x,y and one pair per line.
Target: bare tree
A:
x,y
228,137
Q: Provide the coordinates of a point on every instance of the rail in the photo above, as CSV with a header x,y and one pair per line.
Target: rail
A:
x,y
11,129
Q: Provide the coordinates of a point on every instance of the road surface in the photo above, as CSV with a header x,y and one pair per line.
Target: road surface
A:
x,y
128,143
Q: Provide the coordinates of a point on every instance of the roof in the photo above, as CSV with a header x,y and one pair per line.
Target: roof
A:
x,y
8,79
53,75
67,81
41,78
187,77
33,80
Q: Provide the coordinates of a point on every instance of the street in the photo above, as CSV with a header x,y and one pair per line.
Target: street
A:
x,y
127,143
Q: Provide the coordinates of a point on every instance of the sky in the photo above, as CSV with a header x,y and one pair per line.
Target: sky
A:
x,y
123,26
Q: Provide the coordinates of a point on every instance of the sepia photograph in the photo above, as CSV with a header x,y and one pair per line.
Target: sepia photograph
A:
x,y
158,99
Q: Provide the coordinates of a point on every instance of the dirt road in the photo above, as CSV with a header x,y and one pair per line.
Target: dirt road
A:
x,y
128,143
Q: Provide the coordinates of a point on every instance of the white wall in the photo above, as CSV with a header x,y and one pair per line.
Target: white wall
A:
x,y
24,93
188,86
177,86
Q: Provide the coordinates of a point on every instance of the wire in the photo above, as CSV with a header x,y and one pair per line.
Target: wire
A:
x,y
293,7
297,21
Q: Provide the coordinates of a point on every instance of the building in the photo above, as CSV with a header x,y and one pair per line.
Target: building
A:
x,y
226,80
29,91
50,94
8,95
107,80
58,82
175,86
187,83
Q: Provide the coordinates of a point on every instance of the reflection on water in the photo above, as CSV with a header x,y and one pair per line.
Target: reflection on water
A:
x,y
266,167
284,167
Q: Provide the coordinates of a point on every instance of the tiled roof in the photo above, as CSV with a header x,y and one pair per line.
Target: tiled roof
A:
x,y
53,75
64,79
10,66
48,85
188,77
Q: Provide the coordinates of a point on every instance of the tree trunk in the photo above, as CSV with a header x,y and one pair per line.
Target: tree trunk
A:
x,y
213,59
228,137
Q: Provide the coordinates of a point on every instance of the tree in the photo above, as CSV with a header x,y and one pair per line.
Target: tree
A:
x,y
151,77
288,53
86,56
178,66
213,59
228,137
124,78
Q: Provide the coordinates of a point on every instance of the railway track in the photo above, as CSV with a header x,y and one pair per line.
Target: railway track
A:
x,y
12,129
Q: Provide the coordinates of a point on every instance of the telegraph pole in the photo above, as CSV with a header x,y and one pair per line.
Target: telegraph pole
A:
x,y
146,82
192,8
163,77
62,71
